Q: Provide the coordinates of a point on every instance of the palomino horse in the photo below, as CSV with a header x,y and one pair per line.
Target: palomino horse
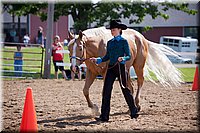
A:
x,y
144,54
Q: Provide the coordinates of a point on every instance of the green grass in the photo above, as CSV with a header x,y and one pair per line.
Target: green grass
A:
x,y
188,73
28,56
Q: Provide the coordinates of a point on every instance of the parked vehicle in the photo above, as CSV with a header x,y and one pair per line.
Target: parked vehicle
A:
x,y
180,44
179,59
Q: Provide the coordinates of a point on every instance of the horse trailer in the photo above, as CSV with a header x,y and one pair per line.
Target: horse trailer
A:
x,y
180,44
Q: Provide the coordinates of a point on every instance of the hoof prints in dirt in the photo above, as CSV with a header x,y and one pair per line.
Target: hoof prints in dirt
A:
x,y
60,106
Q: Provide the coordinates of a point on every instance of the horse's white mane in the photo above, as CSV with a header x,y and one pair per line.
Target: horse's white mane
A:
x,y
101,31
105,33
93,32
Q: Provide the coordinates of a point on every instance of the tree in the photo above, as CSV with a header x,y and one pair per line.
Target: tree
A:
x,y
22,10
84,14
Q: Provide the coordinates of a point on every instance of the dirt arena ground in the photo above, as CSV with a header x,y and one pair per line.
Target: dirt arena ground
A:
x,y
61,106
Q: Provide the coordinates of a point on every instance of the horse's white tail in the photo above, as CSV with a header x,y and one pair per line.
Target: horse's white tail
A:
x,y
158,63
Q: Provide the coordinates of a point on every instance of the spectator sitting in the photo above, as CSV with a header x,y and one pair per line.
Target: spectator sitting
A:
x,y
76,73
83,70
8,37
13,34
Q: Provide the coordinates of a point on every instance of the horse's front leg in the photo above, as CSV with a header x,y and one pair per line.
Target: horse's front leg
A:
x,y
88,82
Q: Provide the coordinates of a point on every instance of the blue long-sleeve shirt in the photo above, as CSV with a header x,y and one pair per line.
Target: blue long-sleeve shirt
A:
x,y
116,47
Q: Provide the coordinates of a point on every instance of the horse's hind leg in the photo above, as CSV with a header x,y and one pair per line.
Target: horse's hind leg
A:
x,y
138,65
140,81
129,83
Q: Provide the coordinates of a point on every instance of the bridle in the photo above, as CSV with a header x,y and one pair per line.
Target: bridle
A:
x,y
84,51
81,59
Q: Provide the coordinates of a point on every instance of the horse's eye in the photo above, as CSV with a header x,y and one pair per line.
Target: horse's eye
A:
x,y
80,49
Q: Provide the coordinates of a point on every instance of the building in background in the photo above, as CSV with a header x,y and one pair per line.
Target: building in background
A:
x,y
29,24
59,28
179,24
10,29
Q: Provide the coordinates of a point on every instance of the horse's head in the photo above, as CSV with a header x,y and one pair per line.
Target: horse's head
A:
x,y
76,48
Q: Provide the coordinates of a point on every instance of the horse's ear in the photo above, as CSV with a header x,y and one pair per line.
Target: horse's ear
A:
x,y
80,34
71,35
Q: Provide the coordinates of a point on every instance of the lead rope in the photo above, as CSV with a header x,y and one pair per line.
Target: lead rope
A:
x,y
120,75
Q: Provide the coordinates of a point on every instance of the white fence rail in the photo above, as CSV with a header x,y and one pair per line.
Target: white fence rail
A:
x,y
7,68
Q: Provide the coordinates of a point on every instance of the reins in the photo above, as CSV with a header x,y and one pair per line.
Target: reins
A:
x,y
120,74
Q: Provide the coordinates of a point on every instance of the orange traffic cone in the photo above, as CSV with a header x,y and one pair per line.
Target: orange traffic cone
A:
x,y
196,81
29,120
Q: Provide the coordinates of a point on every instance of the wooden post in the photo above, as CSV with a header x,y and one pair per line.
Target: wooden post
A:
x,y
198,49
47,63
41,63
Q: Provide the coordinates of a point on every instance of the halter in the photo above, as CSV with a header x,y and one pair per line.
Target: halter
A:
x,y
81,59
74,57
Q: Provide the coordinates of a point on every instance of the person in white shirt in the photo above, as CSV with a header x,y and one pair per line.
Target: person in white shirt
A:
x,y
26,39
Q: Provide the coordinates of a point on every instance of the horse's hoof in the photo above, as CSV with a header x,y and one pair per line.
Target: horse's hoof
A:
x,y
139,108
95,110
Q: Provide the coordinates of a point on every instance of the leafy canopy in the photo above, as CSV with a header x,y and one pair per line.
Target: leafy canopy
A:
x,y
99,13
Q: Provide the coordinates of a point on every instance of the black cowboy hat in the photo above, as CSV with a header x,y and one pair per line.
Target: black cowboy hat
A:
x,y
116,24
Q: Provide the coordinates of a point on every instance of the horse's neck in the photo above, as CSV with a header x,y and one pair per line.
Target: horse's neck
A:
x,y
96,41
95,47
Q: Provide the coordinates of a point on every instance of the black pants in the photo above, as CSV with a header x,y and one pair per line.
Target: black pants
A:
x,y
61,68
112,73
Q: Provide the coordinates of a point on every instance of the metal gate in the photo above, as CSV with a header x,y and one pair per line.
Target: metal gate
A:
x,y
33,55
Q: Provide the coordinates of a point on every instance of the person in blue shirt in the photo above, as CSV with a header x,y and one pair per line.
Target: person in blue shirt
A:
x,y
118,53
18,61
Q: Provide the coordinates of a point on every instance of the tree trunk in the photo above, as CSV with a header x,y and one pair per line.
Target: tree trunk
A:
x,y
19,29
80,21
13,28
